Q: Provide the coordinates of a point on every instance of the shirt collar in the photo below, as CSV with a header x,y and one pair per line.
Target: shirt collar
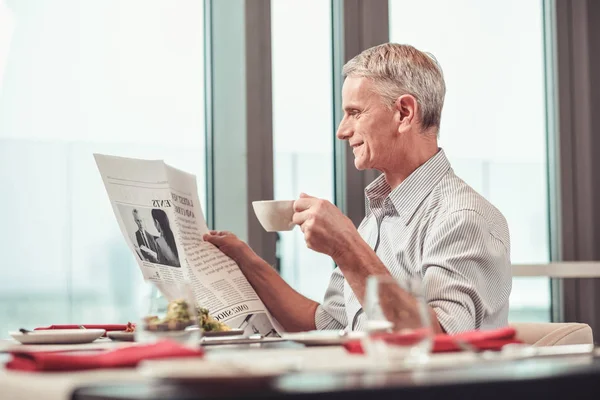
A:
x,y
408,196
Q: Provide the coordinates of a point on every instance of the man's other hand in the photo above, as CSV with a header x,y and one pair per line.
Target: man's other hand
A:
x,y
232,246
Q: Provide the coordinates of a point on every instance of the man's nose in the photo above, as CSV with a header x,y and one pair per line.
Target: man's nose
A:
x,y
344,131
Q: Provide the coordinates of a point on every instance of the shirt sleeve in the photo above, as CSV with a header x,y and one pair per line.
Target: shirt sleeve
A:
x,y
466,271
332,313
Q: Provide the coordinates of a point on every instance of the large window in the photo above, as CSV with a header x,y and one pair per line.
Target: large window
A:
x,y
108,76
127,78
302,127
493,126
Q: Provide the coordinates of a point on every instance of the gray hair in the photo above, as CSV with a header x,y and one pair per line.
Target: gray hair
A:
x,y
399,69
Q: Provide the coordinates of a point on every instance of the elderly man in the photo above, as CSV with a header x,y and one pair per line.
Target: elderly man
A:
x,y
421,219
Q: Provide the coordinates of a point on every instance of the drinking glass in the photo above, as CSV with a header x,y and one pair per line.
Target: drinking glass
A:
x,y
168,311
399,329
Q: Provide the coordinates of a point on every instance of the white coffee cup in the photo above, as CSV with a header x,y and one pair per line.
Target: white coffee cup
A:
x,y
275,215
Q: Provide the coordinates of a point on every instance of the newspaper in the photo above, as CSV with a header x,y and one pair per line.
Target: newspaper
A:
x,y
159,213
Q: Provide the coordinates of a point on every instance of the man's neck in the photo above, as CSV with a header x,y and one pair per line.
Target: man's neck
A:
x,y
411,161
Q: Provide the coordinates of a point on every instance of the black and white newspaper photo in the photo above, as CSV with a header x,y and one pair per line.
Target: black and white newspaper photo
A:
x,y
149,230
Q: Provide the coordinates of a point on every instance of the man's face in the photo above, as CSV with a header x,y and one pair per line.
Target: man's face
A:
x,y
138,221
368,125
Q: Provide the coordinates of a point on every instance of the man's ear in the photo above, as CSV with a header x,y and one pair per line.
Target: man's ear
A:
x,y
407,107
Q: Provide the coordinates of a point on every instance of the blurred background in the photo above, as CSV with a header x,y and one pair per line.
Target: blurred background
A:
x,y
166,79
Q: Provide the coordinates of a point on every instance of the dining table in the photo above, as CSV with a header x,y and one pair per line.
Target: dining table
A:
x,y
543,378
325,372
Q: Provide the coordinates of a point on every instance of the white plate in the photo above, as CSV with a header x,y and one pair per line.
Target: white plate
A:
x,y
208,371
232,332
322,338
121,336
58,336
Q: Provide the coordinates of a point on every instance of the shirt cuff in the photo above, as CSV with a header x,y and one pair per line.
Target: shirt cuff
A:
x,y
452,324
323,320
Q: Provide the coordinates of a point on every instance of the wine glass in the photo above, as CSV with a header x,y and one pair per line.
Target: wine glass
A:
x,y
399,329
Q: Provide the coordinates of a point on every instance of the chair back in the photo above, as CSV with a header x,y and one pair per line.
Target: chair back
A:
x,y
553,333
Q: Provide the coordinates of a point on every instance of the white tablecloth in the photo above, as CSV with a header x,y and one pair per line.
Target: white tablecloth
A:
x,y
56,386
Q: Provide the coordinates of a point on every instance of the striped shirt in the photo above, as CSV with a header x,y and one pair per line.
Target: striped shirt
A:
x,y
435,227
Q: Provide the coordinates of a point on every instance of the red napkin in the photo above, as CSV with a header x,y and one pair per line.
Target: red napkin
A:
x,y
480,340
119,358
106,327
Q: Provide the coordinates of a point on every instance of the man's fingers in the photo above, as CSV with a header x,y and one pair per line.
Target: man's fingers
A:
x,y
214,239
306,196
220,233
300,217
303,203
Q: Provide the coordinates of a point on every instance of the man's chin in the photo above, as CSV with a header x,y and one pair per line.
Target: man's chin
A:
x,y
360,165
